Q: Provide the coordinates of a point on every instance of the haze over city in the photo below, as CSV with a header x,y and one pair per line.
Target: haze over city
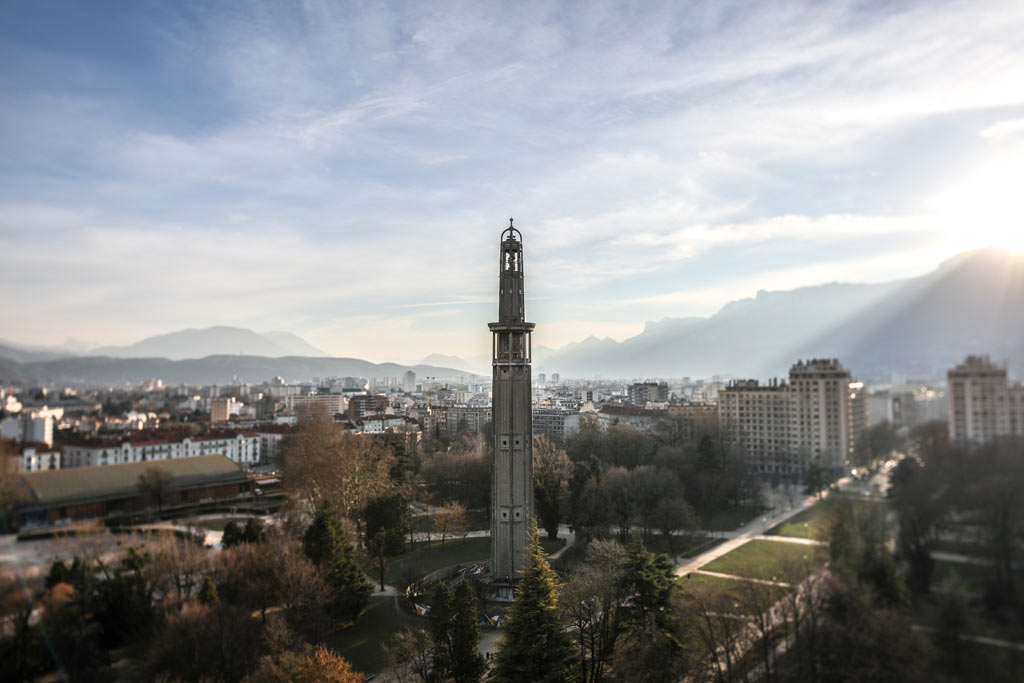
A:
x,y
341,175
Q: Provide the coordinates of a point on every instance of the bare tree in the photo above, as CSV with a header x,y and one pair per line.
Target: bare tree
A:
x,y
591,600
334,469
205,644
451,520
759,601
551,470
718,625
672,515
12,490
410,656
175,569
155,483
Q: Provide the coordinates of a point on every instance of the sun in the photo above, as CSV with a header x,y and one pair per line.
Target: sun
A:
x,y
985,207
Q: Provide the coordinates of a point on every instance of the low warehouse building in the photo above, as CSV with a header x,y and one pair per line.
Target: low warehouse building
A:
x,y
97,492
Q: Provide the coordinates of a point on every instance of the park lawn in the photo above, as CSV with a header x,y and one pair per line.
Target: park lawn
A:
x,y
770,560
362,643
991,664
477,520
729,520
429,558
975,577
813,522
959,547
718,585
927,611
683,546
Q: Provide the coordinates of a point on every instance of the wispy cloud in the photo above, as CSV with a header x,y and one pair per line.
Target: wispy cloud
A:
x,y
309,166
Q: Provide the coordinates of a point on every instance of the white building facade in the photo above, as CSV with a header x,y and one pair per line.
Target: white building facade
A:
x,y
817,417
983,404
242,448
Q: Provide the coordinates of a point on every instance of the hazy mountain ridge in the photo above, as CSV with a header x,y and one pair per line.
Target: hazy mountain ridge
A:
x,y
27,354
217,369
972,303
209,341
449,361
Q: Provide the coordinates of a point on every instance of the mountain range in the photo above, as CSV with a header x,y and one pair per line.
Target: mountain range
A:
x,y
972,303
217,369
921,327
189,343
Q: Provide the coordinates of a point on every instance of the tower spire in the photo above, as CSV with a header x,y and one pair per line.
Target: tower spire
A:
x,y
512,414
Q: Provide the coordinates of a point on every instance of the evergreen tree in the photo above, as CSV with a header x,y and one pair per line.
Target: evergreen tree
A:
x,y
648,579
390,515
468,665
326,543
442,617
253,531
232,536
59,573
536,646
208,593
320,535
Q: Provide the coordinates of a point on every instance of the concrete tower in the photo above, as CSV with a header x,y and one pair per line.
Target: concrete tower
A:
x,y
512,474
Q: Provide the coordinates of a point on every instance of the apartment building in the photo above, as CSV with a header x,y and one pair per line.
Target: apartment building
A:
x,y
783,427
240,447
983,404
555,423
642,393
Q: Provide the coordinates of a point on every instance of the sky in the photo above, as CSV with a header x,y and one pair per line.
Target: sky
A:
x,y
343,170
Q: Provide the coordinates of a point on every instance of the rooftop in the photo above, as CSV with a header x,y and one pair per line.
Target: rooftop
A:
x,y
110,482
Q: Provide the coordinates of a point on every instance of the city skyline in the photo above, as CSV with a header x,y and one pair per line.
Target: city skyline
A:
x,y
342,176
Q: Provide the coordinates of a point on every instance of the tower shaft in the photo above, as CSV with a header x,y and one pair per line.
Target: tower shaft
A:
x,y
512,411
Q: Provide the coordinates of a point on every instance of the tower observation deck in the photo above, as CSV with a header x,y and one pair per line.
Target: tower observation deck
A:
x,y
512,471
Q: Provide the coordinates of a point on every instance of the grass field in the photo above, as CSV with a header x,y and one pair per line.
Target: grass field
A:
x,y
734,519
735,589
975,577
813,522
477,520
426,559
686,547
770,560
362,643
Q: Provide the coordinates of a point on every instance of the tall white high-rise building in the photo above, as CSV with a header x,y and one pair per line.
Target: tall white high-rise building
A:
x,y
817,417
983,404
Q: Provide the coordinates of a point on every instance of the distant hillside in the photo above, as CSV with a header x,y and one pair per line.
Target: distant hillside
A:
x,y
745,338
449,361
17,352
973,303
192,343
210,370
294,344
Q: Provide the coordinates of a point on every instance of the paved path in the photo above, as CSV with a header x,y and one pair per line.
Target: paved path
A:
x,y
570,540
753,529
789,539
748,579
982,640
961,559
